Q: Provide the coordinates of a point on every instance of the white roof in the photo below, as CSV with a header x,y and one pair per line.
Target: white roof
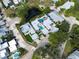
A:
x,y
12,42
28,28
3,31
35,23
32,31
47,22
55,17
67,5
2,53
74,55
16,1
6,2
34,36
12,48
25,28
5,45
45,31
54,29
2,22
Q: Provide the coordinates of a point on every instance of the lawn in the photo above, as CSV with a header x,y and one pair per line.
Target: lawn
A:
x,y
68,49
28,38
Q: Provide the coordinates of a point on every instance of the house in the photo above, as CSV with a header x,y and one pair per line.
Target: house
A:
x,y
67,5
3,31
55,17
12,45
27,29
4,45
7,47
11,3
74,55
50,26
34,24
2,22
3,54
7,3
39,26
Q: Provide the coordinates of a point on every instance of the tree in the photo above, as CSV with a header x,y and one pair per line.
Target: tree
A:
x,y
63,27
58,37
22,51
75,36
48,50
61,35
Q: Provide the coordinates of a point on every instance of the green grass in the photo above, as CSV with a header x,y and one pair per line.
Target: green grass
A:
x,y
28,38
68,48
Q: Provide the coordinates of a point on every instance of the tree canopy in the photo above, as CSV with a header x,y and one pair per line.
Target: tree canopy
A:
x,y
75,36
61,35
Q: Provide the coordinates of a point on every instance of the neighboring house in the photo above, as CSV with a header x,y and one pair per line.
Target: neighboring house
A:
x,y
3,54
3,28
27,29
3,45
3,31
67,5
12,45
44,24
55,17
7,47
11,3
2,22
74,55
50,26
